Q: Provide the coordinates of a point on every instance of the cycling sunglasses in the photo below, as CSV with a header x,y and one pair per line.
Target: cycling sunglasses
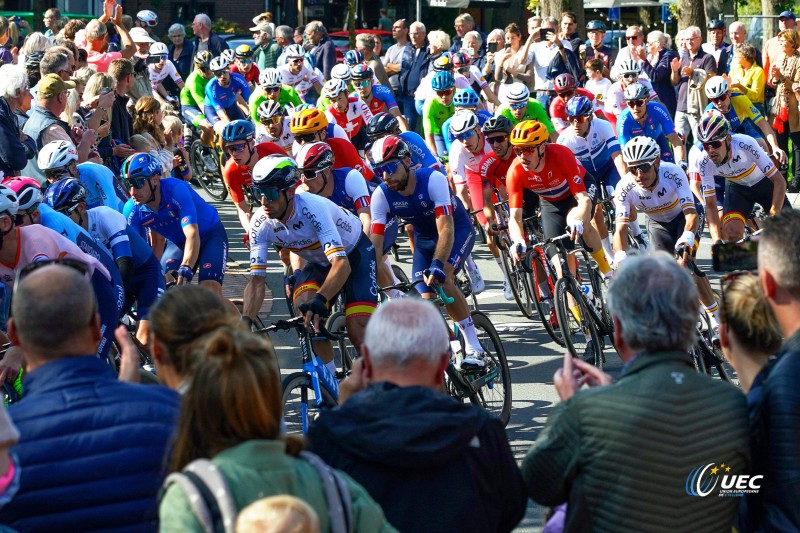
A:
x,y
136,183
520,105
640,168
161,58
271,120
630,75
234,148
497,140
222,72
719,99
388,168
245,61
712,144
446,92
524,150
57,173
306,137
310,173
296,60
579,119
467,135
272,89
635,103
269,193
360,84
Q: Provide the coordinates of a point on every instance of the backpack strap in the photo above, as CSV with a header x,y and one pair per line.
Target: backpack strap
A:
x,y
208,494
337,494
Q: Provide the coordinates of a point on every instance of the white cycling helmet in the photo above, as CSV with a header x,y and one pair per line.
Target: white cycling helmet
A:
x,y
269,109
636,91
340,72
270,77
517,93
295,51
148,18
716,87
228,54
158,49
463,121
56,154
219,63
8,201
639,150
629,66
333,87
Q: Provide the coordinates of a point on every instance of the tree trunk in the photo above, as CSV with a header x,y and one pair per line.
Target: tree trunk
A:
x,y
712,9
691,13
38,8
576,6
551,8
770,24
554,8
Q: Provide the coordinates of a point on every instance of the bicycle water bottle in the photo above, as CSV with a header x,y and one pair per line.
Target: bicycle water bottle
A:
x,y
587,291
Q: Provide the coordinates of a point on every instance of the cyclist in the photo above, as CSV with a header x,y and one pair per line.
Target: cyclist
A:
x,y
751,176
378,97
674,215
160,68
238,141
462,64
437,110
338,256
651,119
520,107
271,88
193,96
628,71
274,125
350,112
443,228
566,88
243,64
58,160
295,71
464,100
338,72
425,91
139,269
172,210
384,124
226,95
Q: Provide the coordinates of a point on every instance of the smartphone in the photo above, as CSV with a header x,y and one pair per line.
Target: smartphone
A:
x,y
491,47
105,90
507,45
730,256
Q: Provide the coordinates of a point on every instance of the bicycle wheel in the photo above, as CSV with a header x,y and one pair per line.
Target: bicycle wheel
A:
x,y
300,403
206,168
495,394
598,308
576,323
519,282
344,353
544,314
399,273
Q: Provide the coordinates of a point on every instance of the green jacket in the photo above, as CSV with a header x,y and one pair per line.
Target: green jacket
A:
x,y
620,455
260,468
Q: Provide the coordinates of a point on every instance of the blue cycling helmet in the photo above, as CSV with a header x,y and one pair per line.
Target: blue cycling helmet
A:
x,y
65,195
138,167
442,81
238,130
353,58
579,106
465,98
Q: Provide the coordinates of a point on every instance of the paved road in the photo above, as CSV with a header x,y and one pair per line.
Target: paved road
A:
x,y
532,355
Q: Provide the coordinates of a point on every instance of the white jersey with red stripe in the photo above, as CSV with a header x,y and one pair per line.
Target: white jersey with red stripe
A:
x,y
318,230
354,118
747,164
462,161
615,96
666,201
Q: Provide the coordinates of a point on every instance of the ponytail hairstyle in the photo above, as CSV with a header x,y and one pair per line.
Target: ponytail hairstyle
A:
x,y
745,311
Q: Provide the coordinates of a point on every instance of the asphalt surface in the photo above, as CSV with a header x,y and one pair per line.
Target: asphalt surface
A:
x,y
532,356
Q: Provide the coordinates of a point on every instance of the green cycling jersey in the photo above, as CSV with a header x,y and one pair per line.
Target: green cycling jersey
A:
x,y
534,111
287,97
194,92
434,115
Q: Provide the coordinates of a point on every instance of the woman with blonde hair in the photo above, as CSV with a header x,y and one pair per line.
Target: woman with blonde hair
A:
x,y
148,118
35,42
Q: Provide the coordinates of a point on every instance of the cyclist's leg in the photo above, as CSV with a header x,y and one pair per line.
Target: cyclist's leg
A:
x,y
590,235
739,202
385,275
147,286
554,222
212,259
307,283
361,290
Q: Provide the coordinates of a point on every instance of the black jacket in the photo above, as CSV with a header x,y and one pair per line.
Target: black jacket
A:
x,y
325,52
215,45
12,151
433,464
410,77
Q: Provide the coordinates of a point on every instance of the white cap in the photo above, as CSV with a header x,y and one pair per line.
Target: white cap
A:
x,y
140,35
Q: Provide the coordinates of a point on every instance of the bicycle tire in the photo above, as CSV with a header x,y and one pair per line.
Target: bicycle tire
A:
x,y
210,179
399,273
520,288
600,313
554,333
299,402
574,328
344,353
495,396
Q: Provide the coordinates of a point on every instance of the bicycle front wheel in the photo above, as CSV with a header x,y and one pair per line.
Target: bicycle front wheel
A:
x,y
207,170
519,282
344,353
300,403
495,394
576,323
538,268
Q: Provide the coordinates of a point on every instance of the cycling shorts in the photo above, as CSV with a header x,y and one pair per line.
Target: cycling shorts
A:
x,y
110,299
664,235
554,214
233,112
212,259
424,248
719,189
192,115
740,199
361,288
608,177
145,287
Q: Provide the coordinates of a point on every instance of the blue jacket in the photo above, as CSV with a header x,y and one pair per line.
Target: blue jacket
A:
x,y
92,449
660,77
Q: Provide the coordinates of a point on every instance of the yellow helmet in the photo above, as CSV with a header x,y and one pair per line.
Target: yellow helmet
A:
x,y
243,51
308,121
529,133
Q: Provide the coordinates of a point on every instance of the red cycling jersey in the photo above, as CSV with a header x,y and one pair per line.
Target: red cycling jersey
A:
x,y
561,177
354,118
345,155
491,173
251,76
237,177
558,109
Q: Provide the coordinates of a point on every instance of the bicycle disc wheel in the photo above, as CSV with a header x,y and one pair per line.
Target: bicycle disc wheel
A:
x,y
520,286
495,395
544,315
207,171
576,323
300,403
343,350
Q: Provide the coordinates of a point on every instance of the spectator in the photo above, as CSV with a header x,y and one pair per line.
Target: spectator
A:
x,y
595,82
267,49
398,56
384,22
569,30
36,42
324,50
253,456
121,123
148,121
474,48
365,43
464,24
541,55
32,68
266,16
5,54
51,18
98,56
656,64
57,61
495,40
97,113
73,27
406,442
278,514
596,32
747,77
283,36
689,83
716,45
600,432
439,43
738,35
634,36
772,48
298,35
784,76
778,249
411,77
534,24
72,113
507,67
181,53
15,98
117,432
204,38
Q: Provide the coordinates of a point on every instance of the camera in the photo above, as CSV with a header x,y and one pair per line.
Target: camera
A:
x,y
730,256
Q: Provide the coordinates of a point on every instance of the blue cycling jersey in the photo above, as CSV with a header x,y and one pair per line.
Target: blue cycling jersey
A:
x,y
658,125
382,99
593,151
350,190
482,115
100,186
109,228
180,206
421,155
221,98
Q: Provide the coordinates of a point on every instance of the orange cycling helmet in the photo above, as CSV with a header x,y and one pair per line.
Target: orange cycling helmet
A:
x,y
529,133
308,121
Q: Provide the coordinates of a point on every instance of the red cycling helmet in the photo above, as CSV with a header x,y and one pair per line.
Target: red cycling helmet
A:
x,y
564,82
389,148
315,156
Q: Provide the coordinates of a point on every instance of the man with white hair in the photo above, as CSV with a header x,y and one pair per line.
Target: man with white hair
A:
x,y
204,38
738,34
267,50
324,50
399,436
15,96
683,77
284,36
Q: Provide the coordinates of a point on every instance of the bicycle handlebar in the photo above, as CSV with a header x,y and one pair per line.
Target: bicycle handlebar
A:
x,y
297,323
406,286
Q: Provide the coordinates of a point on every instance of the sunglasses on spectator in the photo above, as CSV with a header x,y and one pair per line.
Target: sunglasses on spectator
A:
x,y
446,92
271,120
640,168
389,168
719,99
631,37
579,119
635,103
497,140
269,193
306,137
712,144
234,148
467,135
520,105
360,84
524,150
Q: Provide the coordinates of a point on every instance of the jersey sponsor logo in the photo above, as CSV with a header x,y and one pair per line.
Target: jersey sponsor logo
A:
x,y
297,225
344,224
662,192
400,204
749,147
312,218
206,266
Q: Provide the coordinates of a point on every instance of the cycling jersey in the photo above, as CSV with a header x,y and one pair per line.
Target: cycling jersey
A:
x,y
109,228
657,125
287,97
344,155
193,97
534,111
615,96
317,231
158,76
558,109
474,79
285,141
237,177
350,190
421,156
434,115
493,170
295,80
747,164
671,196
561,178
465,164
251,76
305,87
355,117
382,99
595,150
99,183
223,98
742,115
482,115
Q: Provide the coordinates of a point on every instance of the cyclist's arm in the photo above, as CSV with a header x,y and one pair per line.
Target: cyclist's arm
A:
x,y
427,127
444,244
191,250
769,135
379,212
254,293
401,120
159,243
584,207
255,289
619,163
243,211
242,104
254,101
778,191
677,146
622,210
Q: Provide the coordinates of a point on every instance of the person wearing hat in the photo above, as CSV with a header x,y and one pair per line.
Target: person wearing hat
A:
x,y
773,49
96,33
596,31
716,45
267,50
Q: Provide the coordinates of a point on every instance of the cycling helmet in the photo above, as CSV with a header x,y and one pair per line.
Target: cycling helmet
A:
x,y
269,77
517,93
33,60
630,66
158,49
640,149
382,124
308,121
579,106
713,127
28,191
333,87
464,120
243,51
636,91
203,59
361,72
294,51
275,170
497,124
228,54
56,154
340,72
564,82
268,110
219,63
716,24
148,18
238,130
466,98
8,201
140,166
443,63
314,156
529,133
442,81
304,106
353,58
716,87
595,25
389,148
65,195
461,60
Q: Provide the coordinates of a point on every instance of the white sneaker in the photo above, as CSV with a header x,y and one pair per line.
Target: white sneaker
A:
x,y
477,280
508,294
473,361
209,162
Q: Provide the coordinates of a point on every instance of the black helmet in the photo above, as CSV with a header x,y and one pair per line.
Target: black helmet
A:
x,y
497,124
716,24
382,124
595,25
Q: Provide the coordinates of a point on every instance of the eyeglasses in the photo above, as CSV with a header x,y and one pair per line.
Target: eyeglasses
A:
x,y
446,92
465,136
579,119
497,140
518,106
635,103
566,95
524,150
305,138
220,73
640,168
719,99
630,75
272,120
361,84
234,148
272,89
712,144
388,168
269,193
136,183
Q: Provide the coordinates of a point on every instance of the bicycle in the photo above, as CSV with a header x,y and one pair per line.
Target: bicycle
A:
x,y
207,163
